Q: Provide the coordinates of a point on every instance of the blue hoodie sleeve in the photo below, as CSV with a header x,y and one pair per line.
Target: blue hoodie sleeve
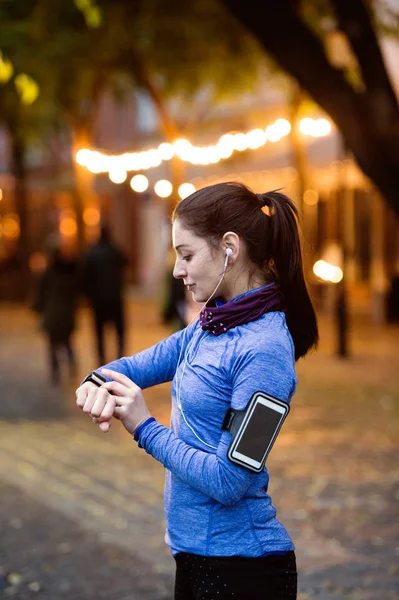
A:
x,y
270,370
154,365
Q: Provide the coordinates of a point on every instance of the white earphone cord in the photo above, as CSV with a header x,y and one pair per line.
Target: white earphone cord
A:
x,y
229,252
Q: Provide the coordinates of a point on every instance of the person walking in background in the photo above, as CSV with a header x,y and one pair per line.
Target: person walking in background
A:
x,y
239,255
56,295
102,272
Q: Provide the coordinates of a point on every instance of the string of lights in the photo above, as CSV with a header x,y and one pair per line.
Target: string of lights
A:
x,y
118,166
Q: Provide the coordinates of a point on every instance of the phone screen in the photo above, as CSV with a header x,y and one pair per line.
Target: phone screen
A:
x,y
259,432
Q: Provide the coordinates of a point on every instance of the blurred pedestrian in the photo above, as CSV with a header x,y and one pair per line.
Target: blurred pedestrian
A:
x,y
102,272
55,298
239,254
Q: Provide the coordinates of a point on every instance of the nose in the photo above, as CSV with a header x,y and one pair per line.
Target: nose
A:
x,y
179,272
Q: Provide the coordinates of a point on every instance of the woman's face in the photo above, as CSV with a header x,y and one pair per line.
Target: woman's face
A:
x,y
197,263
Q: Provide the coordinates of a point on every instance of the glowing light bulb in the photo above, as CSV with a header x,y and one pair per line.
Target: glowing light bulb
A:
x,y
139,183
240,142
322,127
163,188
166,151
256,138
83,157
282,126
117,176
185,189
327,272
95,162
182,148
306,126
337,275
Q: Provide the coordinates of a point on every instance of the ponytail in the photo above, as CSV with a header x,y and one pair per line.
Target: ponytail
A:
x,y
285,251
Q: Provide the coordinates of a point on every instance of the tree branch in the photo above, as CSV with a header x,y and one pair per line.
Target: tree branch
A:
x,y
354,19
280,30
300,53
133,65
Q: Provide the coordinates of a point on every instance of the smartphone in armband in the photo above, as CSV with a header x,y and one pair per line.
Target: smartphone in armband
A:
x,y
254,430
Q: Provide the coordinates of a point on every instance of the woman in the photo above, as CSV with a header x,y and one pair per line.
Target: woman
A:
x,y
242,249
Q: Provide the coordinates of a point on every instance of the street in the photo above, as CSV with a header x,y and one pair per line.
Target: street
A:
x,y
82,511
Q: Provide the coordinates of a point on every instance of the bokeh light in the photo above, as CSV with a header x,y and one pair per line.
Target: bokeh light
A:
x,y
118,176
163,188
185,189
91,216
11,227
139,183
327,272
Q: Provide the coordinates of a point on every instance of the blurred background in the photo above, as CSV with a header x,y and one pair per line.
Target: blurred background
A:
x,y
110,113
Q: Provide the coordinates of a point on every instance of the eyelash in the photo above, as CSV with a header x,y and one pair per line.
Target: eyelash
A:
x,y
187,258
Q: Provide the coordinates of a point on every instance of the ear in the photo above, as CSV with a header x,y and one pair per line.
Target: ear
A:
x,y
231,240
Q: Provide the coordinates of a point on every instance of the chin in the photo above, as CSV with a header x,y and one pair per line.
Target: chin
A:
x,y
198,297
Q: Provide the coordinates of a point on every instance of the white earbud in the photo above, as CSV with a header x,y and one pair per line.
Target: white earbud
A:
x,y
228,253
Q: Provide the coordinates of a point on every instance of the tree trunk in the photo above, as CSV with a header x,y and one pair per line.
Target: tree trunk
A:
x,y
84,179
298,150
18,170
170,133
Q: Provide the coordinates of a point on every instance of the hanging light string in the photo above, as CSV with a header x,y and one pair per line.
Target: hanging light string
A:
x,y
117,166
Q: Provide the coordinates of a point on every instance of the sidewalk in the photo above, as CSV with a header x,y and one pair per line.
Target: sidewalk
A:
x,y
82,513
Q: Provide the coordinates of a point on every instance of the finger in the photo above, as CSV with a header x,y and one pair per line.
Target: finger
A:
x,y
105,426
107,411
119,377
82,393
103,397
128,398
118,389
90,399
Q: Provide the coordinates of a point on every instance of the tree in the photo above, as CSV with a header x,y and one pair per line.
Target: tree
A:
x,y
193,47
80,48
20,115
360,99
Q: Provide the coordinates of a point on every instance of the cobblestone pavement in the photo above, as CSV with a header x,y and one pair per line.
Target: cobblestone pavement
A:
x,y
81,512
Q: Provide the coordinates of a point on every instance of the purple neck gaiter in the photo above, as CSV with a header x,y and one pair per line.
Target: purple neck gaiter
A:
x,y
218,319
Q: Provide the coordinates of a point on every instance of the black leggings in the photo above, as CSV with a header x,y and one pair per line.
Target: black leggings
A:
x,y
272,577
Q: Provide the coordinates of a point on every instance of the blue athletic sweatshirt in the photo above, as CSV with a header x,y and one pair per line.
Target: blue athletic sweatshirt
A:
x,y
214,507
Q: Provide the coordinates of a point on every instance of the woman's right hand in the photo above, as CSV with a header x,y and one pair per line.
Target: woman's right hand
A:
x,y
96,401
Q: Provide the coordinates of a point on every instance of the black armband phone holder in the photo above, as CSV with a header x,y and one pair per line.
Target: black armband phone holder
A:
x,y
254,430
233,419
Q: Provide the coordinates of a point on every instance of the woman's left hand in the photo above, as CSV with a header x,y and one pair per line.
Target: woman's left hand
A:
x,y
130,406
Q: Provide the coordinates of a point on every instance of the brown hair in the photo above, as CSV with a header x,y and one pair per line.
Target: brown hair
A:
x,y
272,242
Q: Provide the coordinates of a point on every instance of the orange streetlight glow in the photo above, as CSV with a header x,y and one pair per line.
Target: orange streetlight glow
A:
x,y
327,272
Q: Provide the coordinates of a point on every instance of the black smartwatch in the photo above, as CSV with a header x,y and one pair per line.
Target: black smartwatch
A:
x,y
95,378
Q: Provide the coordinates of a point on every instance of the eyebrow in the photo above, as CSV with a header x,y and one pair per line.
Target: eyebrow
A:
x,y
181,246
